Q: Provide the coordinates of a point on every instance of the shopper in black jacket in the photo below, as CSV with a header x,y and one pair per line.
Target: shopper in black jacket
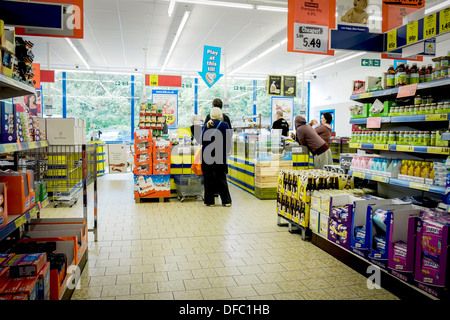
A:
x,y
218,104
280,123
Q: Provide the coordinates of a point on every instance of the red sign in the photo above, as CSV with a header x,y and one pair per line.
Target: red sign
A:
x,y
47,76
374,122
162,81
393,18
315,17
37,75
407,91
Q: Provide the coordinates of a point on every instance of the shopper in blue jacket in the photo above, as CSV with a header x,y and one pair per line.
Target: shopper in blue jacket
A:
x,y
216,144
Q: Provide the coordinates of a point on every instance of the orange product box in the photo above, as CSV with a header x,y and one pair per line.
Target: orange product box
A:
x,y
30,176
19,191
142,158
63,229
144,169
28,265
142,135
43,284
143,147
3,205
161,156
161,168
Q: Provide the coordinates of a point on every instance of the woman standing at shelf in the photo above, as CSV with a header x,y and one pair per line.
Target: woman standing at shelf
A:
x,y
307,136
216,142
324,130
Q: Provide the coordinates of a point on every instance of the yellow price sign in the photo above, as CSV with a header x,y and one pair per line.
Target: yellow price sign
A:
x,y
391,40
412,32
436,117
438,150
379,146
444,20
32,145
359,174
366,95
170,119
430,26
153,80
419,186
10,147
405,148
355,145
20,221
379,178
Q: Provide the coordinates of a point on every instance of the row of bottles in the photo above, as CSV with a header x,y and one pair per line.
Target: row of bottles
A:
x,y
291,181
288,205
419,169
404,75
374,164
416,138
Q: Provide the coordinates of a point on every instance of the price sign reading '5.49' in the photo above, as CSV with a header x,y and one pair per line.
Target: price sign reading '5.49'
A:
x,y
311,38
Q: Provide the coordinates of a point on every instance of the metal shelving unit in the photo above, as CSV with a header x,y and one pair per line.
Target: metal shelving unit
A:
x,y
10,88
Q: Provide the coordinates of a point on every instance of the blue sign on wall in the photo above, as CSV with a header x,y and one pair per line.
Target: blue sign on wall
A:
x,y
211,65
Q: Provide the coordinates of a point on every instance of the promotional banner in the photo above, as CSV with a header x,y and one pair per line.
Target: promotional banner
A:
x,y
359,15
117,158
31,104
284,104
211,65
167,101
156,80
45,18
274,85
289,86
309,22
393,14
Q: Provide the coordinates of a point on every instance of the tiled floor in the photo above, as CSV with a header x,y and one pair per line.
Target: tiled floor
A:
x,y
187,251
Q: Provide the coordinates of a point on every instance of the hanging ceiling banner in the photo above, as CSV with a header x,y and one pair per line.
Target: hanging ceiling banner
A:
x,y
393,14
45,18
211,65
309,22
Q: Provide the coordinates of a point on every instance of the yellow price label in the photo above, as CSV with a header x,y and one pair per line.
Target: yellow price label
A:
x,y
296,220
405,148
444,20
20,221
438,150
153,80
379,178
357,174
436,117
34,211
289,216
391,40
429,26
412,32
366,95
355,145
32,145
44,144
419,186
379,146
10,147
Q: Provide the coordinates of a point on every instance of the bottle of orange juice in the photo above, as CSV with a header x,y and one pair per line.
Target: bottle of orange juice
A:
x,y
417,168
411,168
425,169
404,168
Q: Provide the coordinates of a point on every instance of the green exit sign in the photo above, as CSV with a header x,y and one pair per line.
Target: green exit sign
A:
x,y
370,62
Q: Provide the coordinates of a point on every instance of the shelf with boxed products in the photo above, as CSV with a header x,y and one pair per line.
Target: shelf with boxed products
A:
x,y
16,221
22,146
401,148
407,118
440,84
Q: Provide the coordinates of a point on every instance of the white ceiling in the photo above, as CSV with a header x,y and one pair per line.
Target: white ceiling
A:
x,y
117,32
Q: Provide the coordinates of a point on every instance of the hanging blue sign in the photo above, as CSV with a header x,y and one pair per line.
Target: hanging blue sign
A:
x,y
211,65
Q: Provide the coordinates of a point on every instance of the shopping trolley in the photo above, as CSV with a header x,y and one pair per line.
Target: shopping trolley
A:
x,y
188,184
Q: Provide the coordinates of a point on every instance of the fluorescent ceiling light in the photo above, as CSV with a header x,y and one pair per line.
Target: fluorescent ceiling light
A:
x,y
322,66
78,53
437,7
171,7
277,45
220,3
273,9
175,40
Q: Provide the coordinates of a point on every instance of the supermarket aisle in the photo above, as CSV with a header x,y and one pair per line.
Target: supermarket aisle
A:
x,y
176,250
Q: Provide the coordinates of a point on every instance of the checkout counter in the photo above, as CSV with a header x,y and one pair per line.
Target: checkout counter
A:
x,y
255,160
